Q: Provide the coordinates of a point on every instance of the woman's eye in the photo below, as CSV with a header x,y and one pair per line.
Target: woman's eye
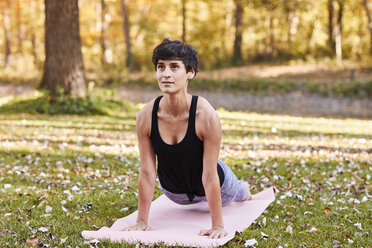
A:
x,y
174,66
160,66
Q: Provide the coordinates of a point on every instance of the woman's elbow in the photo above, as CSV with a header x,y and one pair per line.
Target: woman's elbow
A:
x,y
209,178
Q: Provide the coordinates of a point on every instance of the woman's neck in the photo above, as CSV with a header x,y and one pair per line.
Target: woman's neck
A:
x,y
176,104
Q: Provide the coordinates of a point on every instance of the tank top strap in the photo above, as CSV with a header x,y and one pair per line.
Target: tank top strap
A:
x,y
154,119
192,115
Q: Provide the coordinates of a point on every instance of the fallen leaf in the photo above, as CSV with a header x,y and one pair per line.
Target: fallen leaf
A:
x,y
289,229
264,235
264,221
32,241
43,229
289,185
336,243
63,240
327,210
313,229
48,209
359,226
250,242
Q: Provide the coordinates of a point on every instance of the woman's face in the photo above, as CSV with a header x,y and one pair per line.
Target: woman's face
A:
x,y
172,76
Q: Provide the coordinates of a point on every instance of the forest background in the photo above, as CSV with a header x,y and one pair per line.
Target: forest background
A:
x,y
118,36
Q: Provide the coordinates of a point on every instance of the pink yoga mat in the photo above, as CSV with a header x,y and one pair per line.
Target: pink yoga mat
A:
x,y
175,224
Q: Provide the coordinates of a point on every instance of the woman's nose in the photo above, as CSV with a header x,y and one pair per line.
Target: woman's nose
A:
x,y
166,72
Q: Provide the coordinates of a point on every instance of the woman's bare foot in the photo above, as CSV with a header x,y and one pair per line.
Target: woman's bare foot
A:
x,y
249,197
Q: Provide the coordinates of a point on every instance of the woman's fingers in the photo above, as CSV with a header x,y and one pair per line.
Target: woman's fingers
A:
x,y
138,227
214,233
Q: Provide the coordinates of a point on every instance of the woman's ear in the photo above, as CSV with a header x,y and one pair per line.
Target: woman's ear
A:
x,y
191,74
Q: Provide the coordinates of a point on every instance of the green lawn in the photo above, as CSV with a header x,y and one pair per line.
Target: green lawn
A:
x,y
60,175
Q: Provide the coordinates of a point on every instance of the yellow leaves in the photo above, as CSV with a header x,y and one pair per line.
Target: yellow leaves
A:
x,y
327,210
289,185
32,241
63,240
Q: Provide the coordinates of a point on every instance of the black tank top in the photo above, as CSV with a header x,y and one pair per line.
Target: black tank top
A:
x,y
180,166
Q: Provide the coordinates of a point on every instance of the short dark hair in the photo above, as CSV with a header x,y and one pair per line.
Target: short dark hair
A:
x,y
175,49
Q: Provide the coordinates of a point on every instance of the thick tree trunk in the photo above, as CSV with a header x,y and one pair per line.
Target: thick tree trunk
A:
x,y
338,31
331,41
237,53
184,20
6,27
126,26
63,66
365,3
106,57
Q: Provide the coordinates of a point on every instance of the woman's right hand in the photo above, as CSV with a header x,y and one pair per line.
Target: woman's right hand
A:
x,y
139,226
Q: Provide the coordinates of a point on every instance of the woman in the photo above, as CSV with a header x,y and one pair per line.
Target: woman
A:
x,y
184,133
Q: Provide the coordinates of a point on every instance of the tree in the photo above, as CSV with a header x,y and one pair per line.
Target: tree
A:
x,y
237,53
6,26
331,41
63,66
126,26
19,26
184,20
338,30
365,3
106,57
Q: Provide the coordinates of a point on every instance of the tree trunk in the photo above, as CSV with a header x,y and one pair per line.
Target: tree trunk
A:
x,y
33,48
19,26
6,26
311,38
365,3
106,57
338,31
273,23
126,26
293,20
331,42
63,66
268,48
184,20
32,36
237,54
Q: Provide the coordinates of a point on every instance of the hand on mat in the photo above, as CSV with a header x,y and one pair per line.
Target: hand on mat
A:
x,y
140,226
214,233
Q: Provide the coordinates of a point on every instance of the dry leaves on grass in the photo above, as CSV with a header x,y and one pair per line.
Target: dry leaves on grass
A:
x,y
327,210
32,241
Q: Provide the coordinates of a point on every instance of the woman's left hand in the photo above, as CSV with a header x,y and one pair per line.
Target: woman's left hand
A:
x,y
214,233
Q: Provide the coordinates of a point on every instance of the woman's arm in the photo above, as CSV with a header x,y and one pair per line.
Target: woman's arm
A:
x,y
210,130
147,176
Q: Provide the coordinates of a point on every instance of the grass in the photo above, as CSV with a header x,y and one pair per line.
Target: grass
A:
x,y
63,174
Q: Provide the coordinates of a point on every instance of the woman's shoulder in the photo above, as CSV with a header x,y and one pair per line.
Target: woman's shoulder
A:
x,y
144,112
205,109
143,120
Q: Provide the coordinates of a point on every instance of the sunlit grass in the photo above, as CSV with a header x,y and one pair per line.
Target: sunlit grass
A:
x,y
63,174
